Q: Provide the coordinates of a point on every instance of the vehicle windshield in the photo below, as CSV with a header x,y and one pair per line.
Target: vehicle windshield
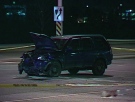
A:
x,y
60,43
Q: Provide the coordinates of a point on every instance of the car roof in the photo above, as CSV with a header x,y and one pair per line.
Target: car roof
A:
x,y
78,35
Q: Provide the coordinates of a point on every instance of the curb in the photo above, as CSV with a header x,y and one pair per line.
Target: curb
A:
x,y
124,57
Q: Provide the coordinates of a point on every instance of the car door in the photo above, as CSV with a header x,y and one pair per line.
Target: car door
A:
x,y
87,49
72,55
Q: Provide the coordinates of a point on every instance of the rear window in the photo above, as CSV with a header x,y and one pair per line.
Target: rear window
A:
x,y
101,44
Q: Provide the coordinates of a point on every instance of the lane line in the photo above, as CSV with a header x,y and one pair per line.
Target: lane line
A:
x,y
126,49
13,48
31,85
63,85
9,62
100,85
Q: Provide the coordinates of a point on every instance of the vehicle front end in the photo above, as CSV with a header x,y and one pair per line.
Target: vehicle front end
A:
x,y
33,63
41,59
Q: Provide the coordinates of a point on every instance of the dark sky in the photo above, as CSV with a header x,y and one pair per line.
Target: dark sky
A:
x,y
101,4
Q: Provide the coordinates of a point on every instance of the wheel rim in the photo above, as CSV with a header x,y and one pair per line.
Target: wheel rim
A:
x,y
99,68
55,70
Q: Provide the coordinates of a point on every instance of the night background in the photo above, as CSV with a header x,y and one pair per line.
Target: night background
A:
x,y
115,19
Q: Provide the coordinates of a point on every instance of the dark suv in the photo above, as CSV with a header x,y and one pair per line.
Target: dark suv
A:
x,y
67,52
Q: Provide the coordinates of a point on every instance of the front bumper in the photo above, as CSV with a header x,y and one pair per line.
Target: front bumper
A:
x,y
32,67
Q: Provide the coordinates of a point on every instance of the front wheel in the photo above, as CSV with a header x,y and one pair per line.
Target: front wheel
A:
x,y
54,69
99,68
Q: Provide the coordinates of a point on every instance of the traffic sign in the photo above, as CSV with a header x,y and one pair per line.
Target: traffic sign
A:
x,y
58,13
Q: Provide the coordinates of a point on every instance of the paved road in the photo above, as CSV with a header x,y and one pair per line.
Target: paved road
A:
x,y
67,88
118,80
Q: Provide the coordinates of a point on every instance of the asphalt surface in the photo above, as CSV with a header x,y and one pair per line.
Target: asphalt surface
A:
x,y
118,81
116,85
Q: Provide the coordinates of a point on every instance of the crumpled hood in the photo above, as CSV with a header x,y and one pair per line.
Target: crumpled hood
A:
x,y
43,41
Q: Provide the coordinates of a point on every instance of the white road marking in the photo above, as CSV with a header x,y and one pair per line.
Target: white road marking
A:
x,y
95,85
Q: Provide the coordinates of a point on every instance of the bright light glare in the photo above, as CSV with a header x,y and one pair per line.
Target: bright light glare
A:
x,y
129,10
120,4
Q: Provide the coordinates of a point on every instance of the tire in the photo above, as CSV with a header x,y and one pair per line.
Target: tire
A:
x,y
54,69
73,71
99,68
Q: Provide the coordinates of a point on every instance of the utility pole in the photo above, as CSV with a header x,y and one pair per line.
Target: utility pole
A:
x,y
59,2
58,17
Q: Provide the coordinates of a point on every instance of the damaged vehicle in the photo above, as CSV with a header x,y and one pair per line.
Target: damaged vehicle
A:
x,y
67,52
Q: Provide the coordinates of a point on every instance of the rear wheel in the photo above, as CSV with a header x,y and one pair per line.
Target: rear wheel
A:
x,y
54,69
99,68
73,71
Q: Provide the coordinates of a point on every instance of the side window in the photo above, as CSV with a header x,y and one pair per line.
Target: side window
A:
x,y
86,44
101,44
74,44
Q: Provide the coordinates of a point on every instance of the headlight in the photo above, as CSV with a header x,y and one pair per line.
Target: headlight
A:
x,y
42,58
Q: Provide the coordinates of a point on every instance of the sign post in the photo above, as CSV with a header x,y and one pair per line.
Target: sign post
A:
x,y
58,18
